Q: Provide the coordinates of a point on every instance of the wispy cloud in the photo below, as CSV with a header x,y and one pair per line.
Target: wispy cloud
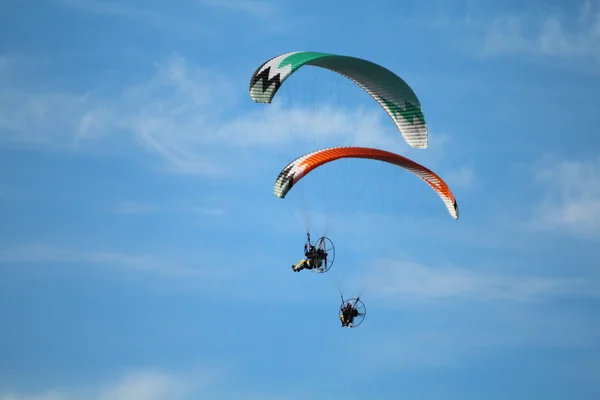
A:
x,y
213,212
272,16
154,384
147,263
26,118
118,8
263,9
571,201
550,34
463,177
138,385
133,207
437,342
471,312
188,117
409,281
145,13
196,18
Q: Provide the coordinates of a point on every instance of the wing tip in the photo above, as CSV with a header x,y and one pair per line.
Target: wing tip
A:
x,y
456,212
418,142
281,188
278,190
261,101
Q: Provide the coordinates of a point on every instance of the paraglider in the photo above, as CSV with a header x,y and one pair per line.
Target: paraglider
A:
x,y
352,312
388,89
319,256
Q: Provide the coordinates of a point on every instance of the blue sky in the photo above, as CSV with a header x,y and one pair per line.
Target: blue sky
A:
x,y
144,256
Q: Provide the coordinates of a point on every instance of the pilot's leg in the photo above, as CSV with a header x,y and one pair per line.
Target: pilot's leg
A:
x,y
299,266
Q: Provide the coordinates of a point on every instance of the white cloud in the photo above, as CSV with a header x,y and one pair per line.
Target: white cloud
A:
x,y
571,196
191,118
450,315
153,384
117,8
27,118
191,19
140,385
411,281
133,207
263,9
145,13
271,15
43,396
460,177
213,212
453,336
148,263
551,34
144,386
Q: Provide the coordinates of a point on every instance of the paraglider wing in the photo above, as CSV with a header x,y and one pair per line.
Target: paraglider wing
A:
x,y
387,88
300,167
